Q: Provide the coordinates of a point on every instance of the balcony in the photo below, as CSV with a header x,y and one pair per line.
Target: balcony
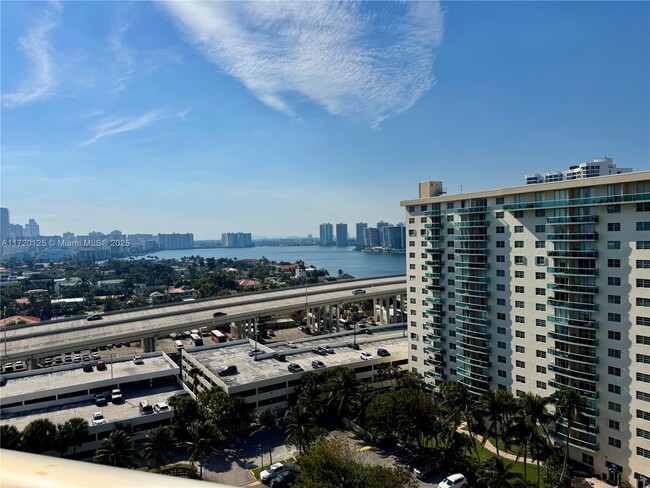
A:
x,y
439,237
473,237
588,446
435,300
473,347
473,361
573,219
471,251
434,250
573,254
572,271
572,373
472,320
436,225
434,276
584,236
436,288
577,202
572,339
472,293
434,350
472,223
433,213
579,358
472,306
573,322
473,279
589,394
475,389
469,265
472,210
430,262
589,290
586,307
473,334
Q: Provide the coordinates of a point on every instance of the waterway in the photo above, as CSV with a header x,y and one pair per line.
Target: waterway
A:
x,y
359,264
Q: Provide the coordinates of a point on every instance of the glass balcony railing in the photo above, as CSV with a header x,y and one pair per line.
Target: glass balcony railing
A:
x,y
435,300
473,279
471,251
473,334
434,250
588,393
576,202
477,389
573,219
473,347
472,293
472,306
433,226
582,289
574,322
472,223
433,213
472,210
573,254
434,276
572,271
434,238
580,236
472,320
467,265
571,339
431,262
468,373
474,361
572,373
434,350
473,237
587,307
580,358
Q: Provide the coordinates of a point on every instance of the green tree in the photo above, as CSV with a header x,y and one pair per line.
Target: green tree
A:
x,y
301,427
39,436
203,439
11,438
461,406
343,391
266,421
186,409
492,406
117,450
496,473
158,445
570,408
71,433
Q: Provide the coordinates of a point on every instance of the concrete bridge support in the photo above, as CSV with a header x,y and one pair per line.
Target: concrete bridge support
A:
x,y
149,344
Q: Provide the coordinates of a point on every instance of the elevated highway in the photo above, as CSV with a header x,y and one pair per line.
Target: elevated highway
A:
x,y
32,341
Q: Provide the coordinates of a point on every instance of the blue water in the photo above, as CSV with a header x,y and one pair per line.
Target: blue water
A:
x,y
356,263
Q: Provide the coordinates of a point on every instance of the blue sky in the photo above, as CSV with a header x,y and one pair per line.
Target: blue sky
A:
x,y
272,117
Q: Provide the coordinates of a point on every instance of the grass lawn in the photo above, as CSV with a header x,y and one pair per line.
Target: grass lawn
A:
x,y
531,469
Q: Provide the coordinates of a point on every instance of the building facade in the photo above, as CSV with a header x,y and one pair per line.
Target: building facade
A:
x,y
371,237
326,234
597,167
359,235
175,241
532,288
236,239
341,235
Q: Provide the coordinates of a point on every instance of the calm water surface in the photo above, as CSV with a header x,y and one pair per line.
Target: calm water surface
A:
x,y
357,263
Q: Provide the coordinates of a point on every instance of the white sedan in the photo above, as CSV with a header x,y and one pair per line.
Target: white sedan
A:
x,y
98,418
366,355
271,471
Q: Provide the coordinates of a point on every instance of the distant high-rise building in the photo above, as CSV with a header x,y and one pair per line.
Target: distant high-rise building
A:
x,y
393,236
359,235
175,241
236,239
341,235
371,237
4,223
597,167
32,229
326,234
381,224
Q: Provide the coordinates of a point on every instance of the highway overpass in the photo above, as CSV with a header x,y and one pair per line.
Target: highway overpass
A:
x,y
33,341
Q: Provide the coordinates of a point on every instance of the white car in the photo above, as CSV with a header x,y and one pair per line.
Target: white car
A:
x,y
358,291
271,471
137,360
453,481
160,407
292,345
98,418
116,396
366,355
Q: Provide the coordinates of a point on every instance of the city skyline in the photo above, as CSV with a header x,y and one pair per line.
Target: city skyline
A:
x,y
159,129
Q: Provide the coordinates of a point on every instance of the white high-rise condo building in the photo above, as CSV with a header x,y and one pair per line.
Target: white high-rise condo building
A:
x,y
532,288
326,234
597,167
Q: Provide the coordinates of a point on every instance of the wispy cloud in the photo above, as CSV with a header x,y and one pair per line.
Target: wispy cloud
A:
x,y
38,49
112,126
123,58
365,60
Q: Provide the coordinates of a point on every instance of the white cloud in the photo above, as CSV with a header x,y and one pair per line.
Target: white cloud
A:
x,y
364,60
38,49
111,126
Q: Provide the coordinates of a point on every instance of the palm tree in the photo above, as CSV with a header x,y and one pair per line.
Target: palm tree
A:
x,y
344,388
265,421
117,450
158,445
193,373
203,440
461,406
570,407
491,406
497,474
299,421
71,433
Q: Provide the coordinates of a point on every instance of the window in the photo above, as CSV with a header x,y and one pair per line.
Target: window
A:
x,y
540,228
520,334
414,347
614,389
614,371
614,353
614,227
643,358
520,349
641,414
615,299
642,302
501,330
501,359
451,269
501,273
501,243
501,345
587,459
643,264
541,385
540,276
450,231
450,256
643,396
540,260
642,245
613,244
501,258
423,208
643,226
540,213
614,335
540,292
614,442
540,369
414,359
613,281
614,317
520,364
540,244
411,266
501,316
519,274
518,214
519,244
411,243
502,373
519,229
540,322
519,319
520,379
611,209
501,229
501,301
540,307
614,424
450,218
450,205
501,287
540,354
643,433
613,263
499,200
643,321
452,371
519,289
614,407
499,215
519,304
540,338
643,377
642,283
643,207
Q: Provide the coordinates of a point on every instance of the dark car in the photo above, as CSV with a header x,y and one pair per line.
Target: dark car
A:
x,y
3,381
367,331
227,370
316,364
101,365
283,479
254,352
94,316
279,356
382,352
353,345
358,291
294,368
219,314
88,367
100,400
319,350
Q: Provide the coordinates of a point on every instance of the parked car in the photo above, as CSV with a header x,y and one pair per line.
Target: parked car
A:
x,y
279,356
100,400
173,336
98,418
283,479
77,358
219,314
294,368
366,355
227,370
94,316
292,345
87,367
316,364
145,408
328,350
94,355
161,407
271,471
137,359
254,352
3,381
9,367
453,481
382,352
101,365
116,396
19,365
430,468
319,350
367,331
358,291
354,345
